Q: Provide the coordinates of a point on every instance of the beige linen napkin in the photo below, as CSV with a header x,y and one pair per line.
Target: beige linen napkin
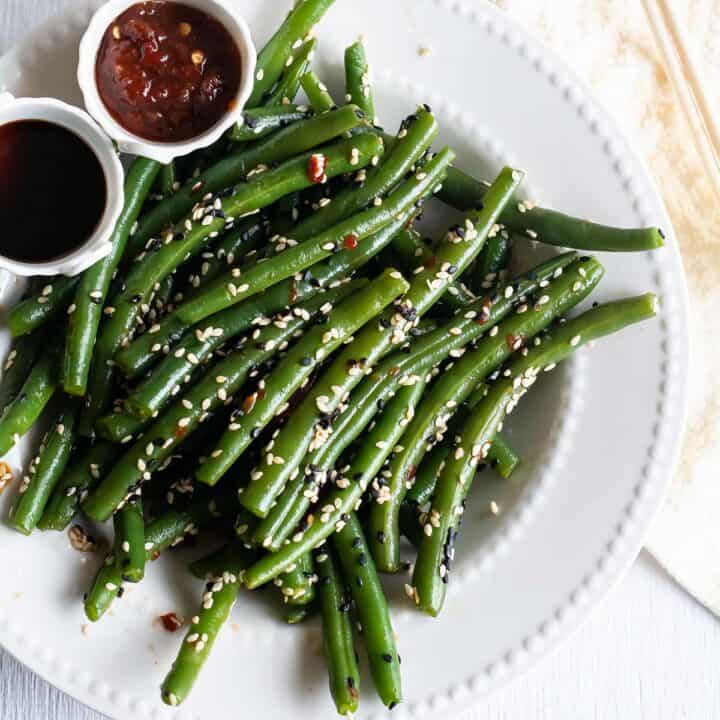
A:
x,y
609,44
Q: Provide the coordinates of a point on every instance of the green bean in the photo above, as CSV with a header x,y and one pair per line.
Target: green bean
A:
x,y
452,388
297,258
371,606
45,471
418,132
92,291
261,122
35,394
464,193
343,672
297,584
549,226
106,586
232,169
357,80
247,236
375,389
233,556
17,367
425,479
492,264
273,58
130,553
260,191
118,426
317,92
162,297
349,488
289,84
167,530
503,457
207,396
153,393
38,309
83,475
217,603
140,354
198,347
309,427
295,614
411,253
436,551
293,371
166,180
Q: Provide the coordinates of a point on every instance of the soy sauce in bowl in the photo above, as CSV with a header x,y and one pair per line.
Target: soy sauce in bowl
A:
x,y
53,191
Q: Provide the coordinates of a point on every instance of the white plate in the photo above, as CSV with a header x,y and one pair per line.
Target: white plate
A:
x,y
599,438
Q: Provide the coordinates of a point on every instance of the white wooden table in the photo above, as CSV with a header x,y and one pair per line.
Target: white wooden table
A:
x,y
649,652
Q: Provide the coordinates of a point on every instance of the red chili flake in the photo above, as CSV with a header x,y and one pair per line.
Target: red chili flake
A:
x,y
317,164
171,622
430,262
154,555
411,473
350,242
180,432
249,403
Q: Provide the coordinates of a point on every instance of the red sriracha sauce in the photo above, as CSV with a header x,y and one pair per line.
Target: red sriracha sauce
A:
x,y
167,72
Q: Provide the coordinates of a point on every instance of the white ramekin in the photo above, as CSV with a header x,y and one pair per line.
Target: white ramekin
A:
x,y
79,122
226,12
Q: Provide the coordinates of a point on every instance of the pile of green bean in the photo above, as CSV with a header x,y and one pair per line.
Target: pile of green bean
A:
x,y
272,351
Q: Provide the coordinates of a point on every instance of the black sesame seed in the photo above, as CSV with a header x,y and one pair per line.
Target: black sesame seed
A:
x,y
387,657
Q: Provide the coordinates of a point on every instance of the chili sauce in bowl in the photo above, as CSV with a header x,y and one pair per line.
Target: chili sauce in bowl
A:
x,y
167,72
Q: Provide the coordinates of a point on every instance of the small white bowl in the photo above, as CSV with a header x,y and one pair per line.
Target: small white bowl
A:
x,y
79,122
226,12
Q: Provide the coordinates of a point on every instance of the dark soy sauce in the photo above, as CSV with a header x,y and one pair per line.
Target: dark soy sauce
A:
x,y
52,191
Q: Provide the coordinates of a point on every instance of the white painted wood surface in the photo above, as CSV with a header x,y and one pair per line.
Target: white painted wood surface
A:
x,y
650,652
